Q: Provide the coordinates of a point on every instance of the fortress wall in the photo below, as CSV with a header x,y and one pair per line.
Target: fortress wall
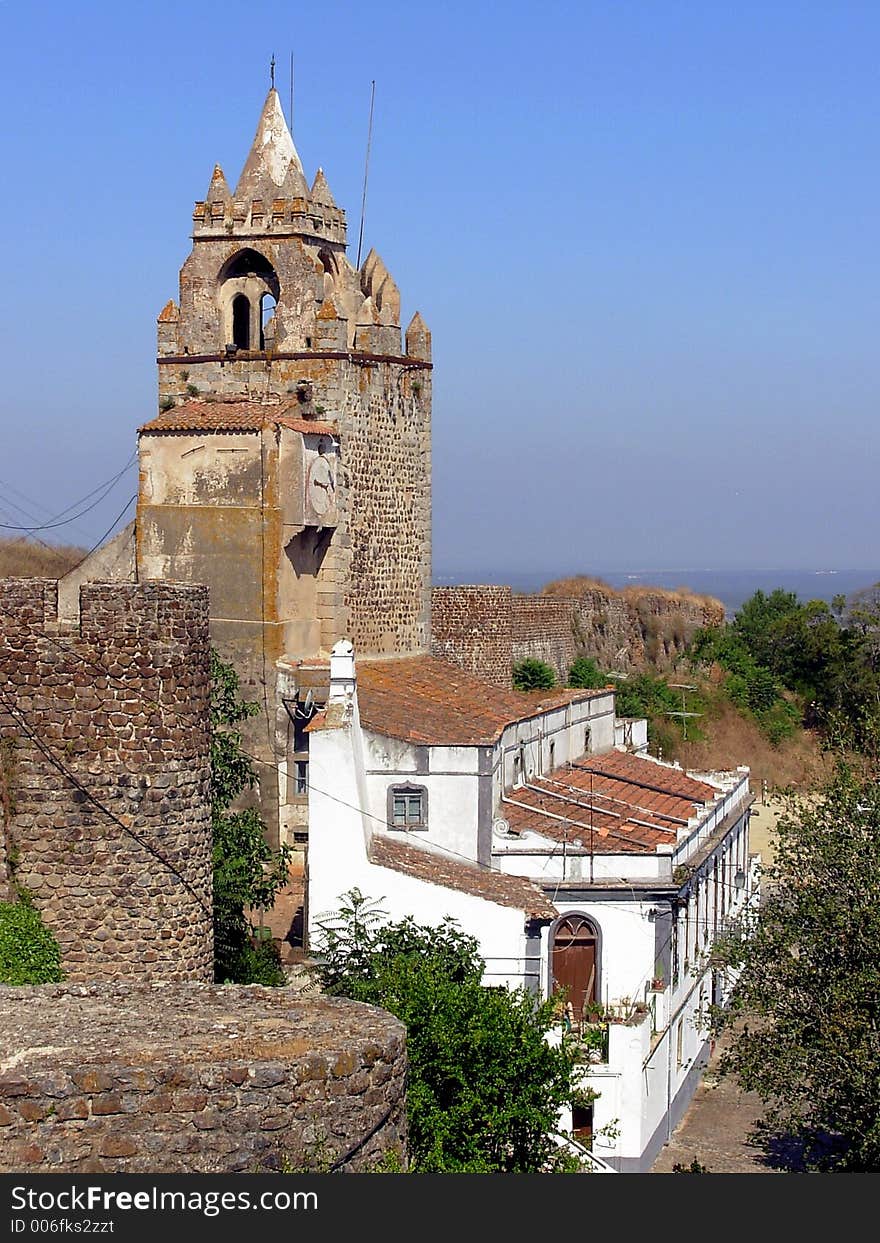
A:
x,y
472,627
104,733
193,1078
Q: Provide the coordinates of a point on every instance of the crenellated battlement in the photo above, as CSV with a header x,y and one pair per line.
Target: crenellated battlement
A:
x,y
276,217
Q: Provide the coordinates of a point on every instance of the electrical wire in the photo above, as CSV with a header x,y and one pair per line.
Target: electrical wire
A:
x,y
473,863
100,541
59,520
58,764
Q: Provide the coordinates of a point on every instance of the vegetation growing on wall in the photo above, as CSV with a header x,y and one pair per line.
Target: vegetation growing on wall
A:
x,y
247,873
585,674
29,953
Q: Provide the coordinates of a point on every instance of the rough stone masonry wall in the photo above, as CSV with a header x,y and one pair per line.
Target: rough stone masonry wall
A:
x,y
196,1079
487,630
542,630
116,709
471,627
377,578
386,502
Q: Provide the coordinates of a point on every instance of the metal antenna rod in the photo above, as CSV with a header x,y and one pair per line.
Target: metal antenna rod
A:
x,y
290,121
366,174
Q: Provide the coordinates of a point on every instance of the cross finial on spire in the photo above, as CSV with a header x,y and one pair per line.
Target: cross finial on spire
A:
x,y
272,71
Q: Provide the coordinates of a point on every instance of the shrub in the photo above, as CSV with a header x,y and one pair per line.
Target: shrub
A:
x,y
585,674
485,1087
533,675
29,953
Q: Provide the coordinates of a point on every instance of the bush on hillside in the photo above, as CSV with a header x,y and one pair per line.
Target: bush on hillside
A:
x,y
585,674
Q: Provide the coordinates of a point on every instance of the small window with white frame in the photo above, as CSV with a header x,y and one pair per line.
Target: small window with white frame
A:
x,y
407,807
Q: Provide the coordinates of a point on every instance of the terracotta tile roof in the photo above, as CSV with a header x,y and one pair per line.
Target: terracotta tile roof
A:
x,y
224,415
430,702
616,803
436,869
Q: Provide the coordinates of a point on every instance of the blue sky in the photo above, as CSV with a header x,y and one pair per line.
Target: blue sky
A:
x,y
644,235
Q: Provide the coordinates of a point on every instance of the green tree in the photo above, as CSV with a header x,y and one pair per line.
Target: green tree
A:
x,y
247,872
804,1013
585,674
533,675
485,1088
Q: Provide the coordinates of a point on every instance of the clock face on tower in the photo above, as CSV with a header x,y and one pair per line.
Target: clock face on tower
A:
x,y
320,488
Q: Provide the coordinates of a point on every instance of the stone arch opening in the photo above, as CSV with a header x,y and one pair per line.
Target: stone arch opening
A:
x,y
268,306
244,284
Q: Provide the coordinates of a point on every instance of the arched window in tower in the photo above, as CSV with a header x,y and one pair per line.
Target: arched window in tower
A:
x,y
241,321
248,291
268,306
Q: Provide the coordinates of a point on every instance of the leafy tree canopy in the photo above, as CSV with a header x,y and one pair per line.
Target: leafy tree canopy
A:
x,y
485,1088
804,1015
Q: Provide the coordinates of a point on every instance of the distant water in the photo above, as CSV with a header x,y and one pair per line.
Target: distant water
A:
x,y
731,587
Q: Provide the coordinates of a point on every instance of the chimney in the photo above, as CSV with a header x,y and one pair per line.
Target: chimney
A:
x,y
342,675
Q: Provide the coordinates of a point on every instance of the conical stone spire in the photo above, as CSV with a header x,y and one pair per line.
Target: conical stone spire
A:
x,y
218,189
320,192
272,162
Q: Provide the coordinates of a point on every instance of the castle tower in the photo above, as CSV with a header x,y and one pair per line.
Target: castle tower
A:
x,y
289,467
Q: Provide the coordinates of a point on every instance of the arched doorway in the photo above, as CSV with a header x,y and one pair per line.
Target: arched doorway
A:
x,y
575,961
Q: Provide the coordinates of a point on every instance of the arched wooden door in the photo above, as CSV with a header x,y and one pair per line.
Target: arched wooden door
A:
x,y
576,961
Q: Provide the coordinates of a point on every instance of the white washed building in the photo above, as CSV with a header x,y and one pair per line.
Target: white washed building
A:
x,y
574,862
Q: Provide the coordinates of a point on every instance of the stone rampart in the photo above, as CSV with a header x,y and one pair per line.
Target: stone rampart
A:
x,y
472,627
193,1078
488,629
104,773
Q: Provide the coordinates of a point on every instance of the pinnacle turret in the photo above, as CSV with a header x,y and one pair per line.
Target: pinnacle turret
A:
x,y
273,167
218,189
320,192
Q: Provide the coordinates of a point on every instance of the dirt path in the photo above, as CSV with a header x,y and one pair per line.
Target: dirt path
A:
x,y
714,1131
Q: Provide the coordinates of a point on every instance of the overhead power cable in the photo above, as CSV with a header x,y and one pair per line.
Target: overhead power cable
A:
x,y
59,520
61,767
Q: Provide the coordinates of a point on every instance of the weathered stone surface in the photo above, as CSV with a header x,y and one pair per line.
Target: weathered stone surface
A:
x,y
488,629
283,1083
101,721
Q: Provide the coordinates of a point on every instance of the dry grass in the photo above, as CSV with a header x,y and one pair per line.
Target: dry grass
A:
x,y
797,762
22,558
580,584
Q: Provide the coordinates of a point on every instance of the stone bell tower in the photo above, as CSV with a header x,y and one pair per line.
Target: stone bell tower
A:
x,y
271,311
289,467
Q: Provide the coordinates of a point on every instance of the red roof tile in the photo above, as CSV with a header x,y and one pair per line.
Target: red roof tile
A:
x,y
616,803
225,415
430,702
437,869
